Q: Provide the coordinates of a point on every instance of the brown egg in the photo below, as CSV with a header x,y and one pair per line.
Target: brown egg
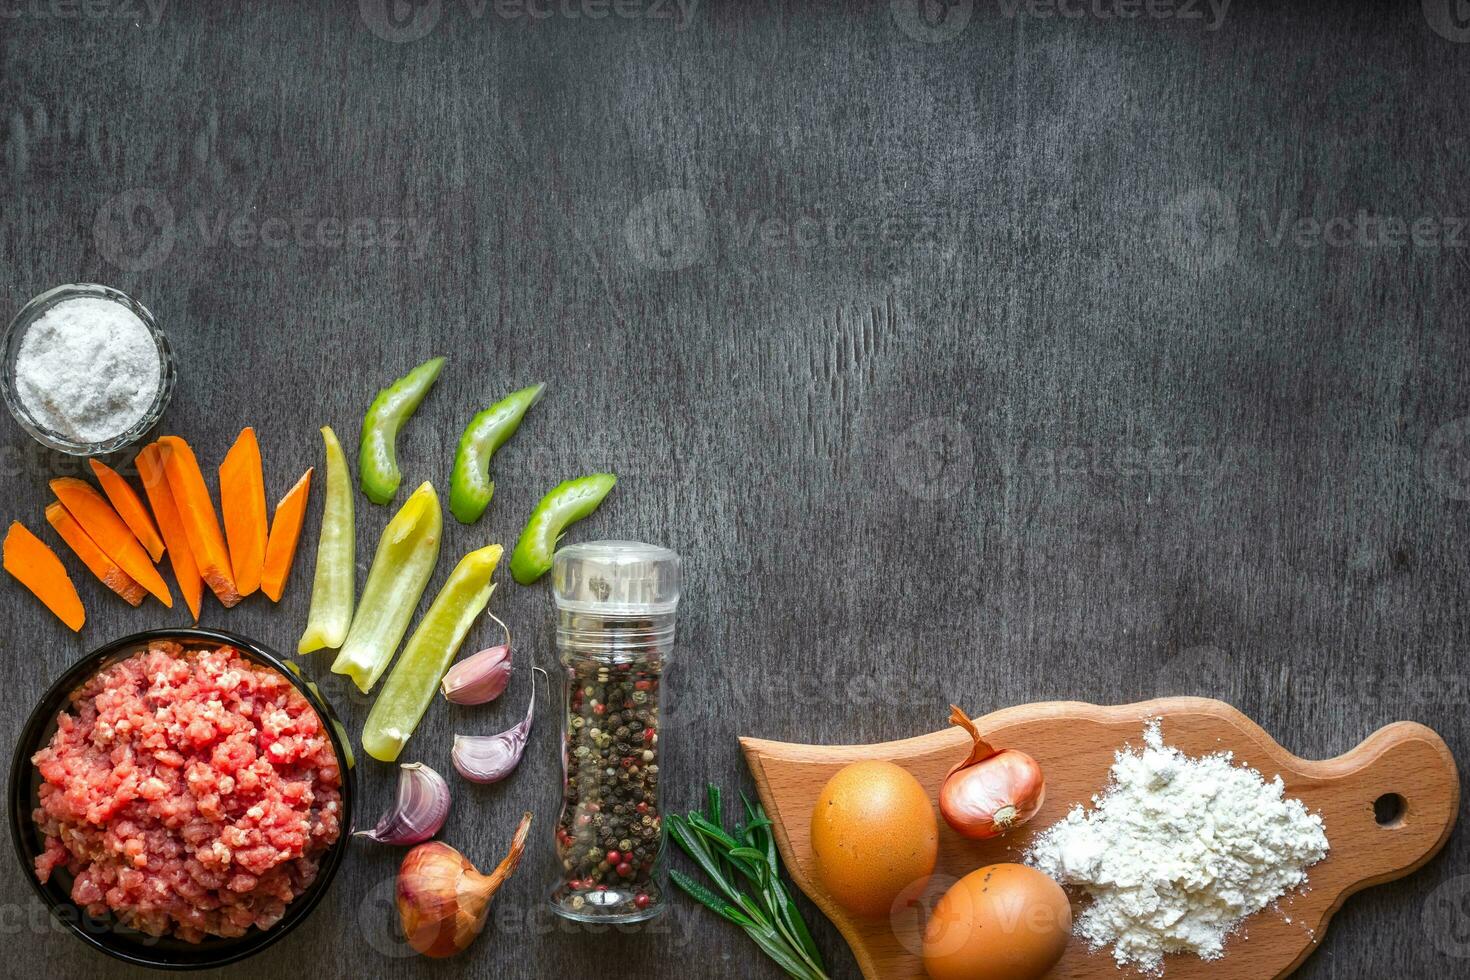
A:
x,y
875,834
1002,922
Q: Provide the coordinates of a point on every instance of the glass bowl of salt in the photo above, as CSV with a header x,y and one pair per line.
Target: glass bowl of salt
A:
x,y
87,371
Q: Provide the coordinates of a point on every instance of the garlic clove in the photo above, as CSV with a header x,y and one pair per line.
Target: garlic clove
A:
x,y
419,811
479,678
490,758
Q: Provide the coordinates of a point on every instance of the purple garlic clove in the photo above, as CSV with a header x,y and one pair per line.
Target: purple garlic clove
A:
x,y
490,758
419,811
479,678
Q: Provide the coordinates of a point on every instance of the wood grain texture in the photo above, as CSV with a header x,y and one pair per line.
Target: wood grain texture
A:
x,y
1064,431
1076,744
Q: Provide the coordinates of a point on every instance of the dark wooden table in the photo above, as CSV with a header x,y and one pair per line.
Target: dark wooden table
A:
x,y
993,360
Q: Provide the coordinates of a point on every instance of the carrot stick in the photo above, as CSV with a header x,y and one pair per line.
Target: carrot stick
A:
x,y
96,560
280,551
36,567
129,507
242,503
191,497
103,526
155,483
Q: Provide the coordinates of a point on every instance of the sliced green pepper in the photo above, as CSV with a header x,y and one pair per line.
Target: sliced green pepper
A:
x,y
407,553
331,589
470,486
415,677
377,452
566,504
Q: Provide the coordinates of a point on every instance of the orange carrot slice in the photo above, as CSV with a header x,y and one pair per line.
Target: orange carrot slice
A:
x,y
191,497
96,560
129,507
110,533
242,504
155,483
36,567
285,533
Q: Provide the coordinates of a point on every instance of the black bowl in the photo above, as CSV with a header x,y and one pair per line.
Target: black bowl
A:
x,y
106,933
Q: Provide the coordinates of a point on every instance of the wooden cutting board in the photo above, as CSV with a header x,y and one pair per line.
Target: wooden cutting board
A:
x,y
1075,744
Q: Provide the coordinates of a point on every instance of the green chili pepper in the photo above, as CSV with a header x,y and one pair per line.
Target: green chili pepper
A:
x,y
470,486
331,589
566,504
377,453
407,553
415,677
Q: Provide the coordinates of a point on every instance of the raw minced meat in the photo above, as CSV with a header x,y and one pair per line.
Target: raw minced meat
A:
x,y
191,793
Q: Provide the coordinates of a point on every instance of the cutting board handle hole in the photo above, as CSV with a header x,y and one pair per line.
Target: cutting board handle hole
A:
x,y
1389,810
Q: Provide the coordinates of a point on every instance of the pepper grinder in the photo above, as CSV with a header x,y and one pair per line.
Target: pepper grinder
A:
x,y
615,608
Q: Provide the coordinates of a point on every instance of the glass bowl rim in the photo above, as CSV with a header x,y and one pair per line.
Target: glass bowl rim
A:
x,y
9,350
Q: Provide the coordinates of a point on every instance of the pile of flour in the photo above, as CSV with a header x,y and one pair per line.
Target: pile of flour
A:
x,y
88,369
1177,851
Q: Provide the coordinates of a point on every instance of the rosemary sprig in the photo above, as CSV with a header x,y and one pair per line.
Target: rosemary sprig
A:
x,y
749,853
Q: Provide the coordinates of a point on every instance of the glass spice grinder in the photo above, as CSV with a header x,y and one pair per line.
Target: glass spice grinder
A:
x,y
615,606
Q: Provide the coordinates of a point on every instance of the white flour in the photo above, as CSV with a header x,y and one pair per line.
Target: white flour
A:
x,y
87,368
1177,851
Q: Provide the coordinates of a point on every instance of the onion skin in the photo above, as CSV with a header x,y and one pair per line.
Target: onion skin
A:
x,y
982,801
443,900
992,791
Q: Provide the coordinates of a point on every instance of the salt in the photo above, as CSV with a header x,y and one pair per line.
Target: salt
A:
x,y
88,369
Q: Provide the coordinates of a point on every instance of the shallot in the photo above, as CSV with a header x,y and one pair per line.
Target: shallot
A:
x,y
993,790
443,899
